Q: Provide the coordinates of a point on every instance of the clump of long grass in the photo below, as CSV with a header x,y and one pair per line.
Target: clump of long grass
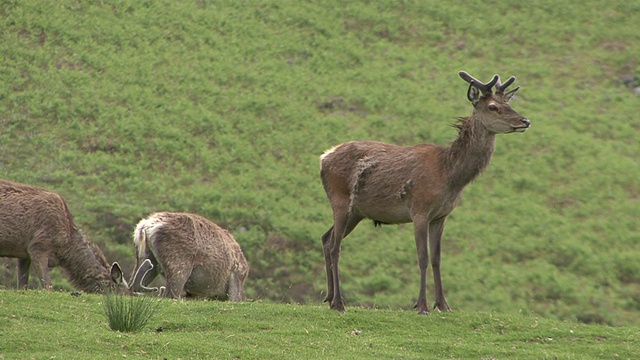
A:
x,y
129,313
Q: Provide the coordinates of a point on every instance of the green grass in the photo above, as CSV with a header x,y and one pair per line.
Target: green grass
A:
x,y
222,109
37,324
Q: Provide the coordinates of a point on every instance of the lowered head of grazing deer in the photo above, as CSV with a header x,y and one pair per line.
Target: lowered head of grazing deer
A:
x,y
37,228
195,256
393,184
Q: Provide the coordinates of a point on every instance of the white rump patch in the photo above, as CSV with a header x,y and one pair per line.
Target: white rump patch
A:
x,y
144,230
327,153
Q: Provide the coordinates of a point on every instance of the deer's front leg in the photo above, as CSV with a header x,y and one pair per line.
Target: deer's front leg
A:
x,y
236,287
435,241
23,273
421,231
176,277
40,265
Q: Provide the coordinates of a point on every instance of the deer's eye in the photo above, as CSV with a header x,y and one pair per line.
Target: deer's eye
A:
x,y
493,107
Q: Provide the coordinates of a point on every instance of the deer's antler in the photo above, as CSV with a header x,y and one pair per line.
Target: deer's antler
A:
x,y
500,88
484,88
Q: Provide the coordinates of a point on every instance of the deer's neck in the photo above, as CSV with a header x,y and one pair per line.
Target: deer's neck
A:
x,y
469,154
83,268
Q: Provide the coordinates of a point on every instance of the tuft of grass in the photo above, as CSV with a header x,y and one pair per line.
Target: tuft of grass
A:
x,y
129,313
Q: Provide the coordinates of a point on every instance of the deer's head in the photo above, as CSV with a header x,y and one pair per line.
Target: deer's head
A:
x,y
117,283
491,109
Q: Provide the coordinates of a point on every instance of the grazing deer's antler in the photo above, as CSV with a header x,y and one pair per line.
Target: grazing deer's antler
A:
x,y
138,282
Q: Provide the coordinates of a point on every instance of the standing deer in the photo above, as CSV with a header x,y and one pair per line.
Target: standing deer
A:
x,y
422,184
195,256
37,228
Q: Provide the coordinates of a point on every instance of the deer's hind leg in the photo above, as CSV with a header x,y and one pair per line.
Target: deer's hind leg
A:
x,y
343,225
326,240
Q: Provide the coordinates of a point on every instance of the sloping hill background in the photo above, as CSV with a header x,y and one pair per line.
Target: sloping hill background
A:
x,y
222,109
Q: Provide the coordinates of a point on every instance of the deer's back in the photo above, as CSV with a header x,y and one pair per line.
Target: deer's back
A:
x,y
194,239
191,243
381,163
347,155
29,214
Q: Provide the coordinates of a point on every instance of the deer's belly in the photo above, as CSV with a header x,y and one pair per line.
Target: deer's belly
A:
x,y
388,213
206,283
14,249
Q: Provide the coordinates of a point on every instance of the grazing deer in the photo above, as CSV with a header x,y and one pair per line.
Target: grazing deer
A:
x,y
422,184
37,228
195,256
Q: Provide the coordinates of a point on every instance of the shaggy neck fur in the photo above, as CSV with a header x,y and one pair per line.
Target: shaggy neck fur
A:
x,y
470,153
85,265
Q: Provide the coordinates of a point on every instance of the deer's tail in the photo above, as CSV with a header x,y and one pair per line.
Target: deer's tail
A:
x,y
140,239
144,233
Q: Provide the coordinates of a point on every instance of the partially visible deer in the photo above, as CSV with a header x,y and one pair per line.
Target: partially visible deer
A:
x,y
37,228
195,256
393,184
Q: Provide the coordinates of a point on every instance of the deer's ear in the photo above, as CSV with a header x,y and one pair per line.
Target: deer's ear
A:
x,y
116,274
510,94
473,94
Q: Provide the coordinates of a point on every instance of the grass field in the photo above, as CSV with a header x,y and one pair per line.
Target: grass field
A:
x,y
38,325
222,109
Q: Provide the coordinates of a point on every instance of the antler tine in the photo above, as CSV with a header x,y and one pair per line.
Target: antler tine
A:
x,y
484,88
500,88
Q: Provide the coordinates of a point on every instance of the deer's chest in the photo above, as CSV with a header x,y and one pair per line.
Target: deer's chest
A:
x,y
437,203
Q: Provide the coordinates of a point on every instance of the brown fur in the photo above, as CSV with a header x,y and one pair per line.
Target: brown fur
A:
x,y
37,228
393,184
195,256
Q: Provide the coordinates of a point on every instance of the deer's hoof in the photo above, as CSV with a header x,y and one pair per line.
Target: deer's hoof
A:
x,y
422,309
423,312
339,307
442,308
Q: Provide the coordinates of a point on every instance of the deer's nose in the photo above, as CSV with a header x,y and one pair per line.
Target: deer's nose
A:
x,y
526,122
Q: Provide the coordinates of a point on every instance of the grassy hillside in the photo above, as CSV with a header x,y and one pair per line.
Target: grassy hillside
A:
x,y
222,109
38,325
